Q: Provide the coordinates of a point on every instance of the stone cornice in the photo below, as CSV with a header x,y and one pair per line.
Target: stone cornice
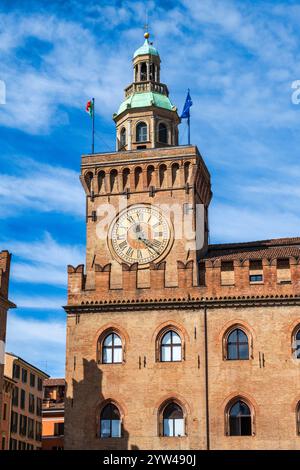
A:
x,y
184,304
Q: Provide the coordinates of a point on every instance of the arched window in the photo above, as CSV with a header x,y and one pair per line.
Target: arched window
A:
x,y
170,347
143,72
298,418
141,132
126,173
237,345
175,174
187,166
112,349
150,175
173,421
88,179
240,421
101,179
162,175
110,421
162,133
296,343
138,177
113,180
122,137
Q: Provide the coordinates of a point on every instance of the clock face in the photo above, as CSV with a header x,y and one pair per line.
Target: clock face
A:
x,y
140,234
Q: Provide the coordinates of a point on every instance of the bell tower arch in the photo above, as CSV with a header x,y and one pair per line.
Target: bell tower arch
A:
x,y
146,118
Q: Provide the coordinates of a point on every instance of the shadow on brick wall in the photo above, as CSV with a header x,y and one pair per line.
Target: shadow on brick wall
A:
x,y
82,413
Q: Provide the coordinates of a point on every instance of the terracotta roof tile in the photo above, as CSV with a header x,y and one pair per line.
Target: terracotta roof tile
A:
x,y
276,248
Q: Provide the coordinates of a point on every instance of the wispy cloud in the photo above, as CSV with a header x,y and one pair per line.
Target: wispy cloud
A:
x,y
36,302
40,342
40,187
43,261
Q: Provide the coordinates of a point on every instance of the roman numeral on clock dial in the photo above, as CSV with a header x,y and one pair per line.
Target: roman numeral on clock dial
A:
x,y
140,234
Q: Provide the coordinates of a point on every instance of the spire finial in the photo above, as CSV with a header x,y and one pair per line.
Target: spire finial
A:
x,y
146,27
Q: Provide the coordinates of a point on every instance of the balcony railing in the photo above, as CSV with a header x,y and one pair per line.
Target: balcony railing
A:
x,y
141,87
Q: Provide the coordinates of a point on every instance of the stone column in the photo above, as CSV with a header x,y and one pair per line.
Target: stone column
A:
x,y
152,132
129,134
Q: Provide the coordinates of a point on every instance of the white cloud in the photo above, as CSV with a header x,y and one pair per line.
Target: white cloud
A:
x,y
73,67
48,251
39,342
43,261
238,224
40,187
39,302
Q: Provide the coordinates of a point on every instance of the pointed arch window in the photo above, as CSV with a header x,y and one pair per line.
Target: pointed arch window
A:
x,y
141,132
110,421
112,349
170,347
240,419
173,420
162,133
237,345
296,343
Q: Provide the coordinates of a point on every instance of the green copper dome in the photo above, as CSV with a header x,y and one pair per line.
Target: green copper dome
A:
x,y
142,100
145,49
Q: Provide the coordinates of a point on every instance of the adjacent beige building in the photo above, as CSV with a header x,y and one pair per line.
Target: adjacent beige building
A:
x,y
27,399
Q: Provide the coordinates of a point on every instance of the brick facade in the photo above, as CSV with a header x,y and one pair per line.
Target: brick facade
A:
x,y
202,294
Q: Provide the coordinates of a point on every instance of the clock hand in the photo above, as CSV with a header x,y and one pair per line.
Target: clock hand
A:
x,y
149,245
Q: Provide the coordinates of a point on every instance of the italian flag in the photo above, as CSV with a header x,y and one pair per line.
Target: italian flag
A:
x,y
89,108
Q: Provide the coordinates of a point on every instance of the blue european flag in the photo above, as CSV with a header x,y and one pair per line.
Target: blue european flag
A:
x,y
186,109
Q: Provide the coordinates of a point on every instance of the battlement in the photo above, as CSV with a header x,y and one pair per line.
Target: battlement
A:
x,y
217,279
5,258
150,172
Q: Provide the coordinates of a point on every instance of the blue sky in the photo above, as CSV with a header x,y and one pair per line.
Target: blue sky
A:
x,y
239,58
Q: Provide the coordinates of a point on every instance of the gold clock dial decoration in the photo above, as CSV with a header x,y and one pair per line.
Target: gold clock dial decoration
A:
x,y
140,234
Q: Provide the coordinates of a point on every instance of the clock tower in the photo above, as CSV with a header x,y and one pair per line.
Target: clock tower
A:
x,y
147,229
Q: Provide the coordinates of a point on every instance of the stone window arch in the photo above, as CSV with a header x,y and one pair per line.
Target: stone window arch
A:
x,y
138,173
88,178
141,132
175,174
110,421
172,419
123,138
170,347
101,181
170,344
110,347
298,418
187,171
162,133
143,72
150,175
237,344
296,342
113,177
239,417
162,175
125,178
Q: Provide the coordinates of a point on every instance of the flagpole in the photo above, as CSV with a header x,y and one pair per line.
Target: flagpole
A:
x,y
93,126
189,130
